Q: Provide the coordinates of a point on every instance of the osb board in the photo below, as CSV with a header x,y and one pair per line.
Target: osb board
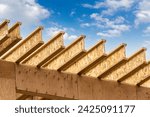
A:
x,y
45,82
3,29
66,55
147,83
45,51
127,67
87,59
24,47
14,36
107,63
138,76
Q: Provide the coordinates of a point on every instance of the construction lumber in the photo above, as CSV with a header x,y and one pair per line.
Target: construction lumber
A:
x,y
132,63
52,84
113,58
7,81
52,47
10,39
66,55
25,47
136,75
4,28
92,54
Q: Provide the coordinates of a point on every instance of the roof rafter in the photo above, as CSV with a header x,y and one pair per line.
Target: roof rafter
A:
x,y
47,51
93,53
113,58
67,54
132,63
25,47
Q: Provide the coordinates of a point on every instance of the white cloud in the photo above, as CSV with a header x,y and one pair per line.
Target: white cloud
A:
x,y
27,11
111,5
147,31
143,12
54,30
110,28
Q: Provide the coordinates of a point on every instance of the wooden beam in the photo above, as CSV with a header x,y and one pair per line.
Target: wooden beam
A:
x,y
4,28
68,53
7,81
143,80
122,61
138,76
23,97
12,39
91,65
25,47
46,51
71,61
56,85
113,58
133,62
91,55
132,72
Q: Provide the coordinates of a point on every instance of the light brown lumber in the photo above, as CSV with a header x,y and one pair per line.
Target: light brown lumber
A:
x,y
91,55
4,28
113,58
45,52
63,57
13,38
133,62
25,47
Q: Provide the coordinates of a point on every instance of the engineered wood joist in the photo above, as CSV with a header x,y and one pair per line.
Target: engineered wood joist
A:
x,y
10,39
25,47
132,63
4,28
47,51
94,53
113,58
138,77
67,54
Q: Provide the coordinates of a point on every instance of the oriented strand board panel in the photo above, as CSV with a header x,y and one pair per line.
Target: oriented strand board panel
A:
x,y
133,62
7,80
14,37
146,84
91,55
4,28
113,58
25,46
46,50
140,75
71,51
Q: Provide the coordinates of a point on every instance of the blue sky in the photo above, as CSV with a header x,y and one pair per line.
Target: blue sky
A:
x,y
117,21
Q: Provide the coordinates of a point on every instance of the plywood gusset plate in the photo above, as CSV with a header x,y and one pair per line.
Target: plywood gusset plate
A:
x,y
53,71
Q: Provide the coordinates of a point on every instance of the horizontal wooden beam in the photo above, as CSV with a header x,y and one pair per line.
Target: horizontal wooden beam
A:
x,y
56,85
